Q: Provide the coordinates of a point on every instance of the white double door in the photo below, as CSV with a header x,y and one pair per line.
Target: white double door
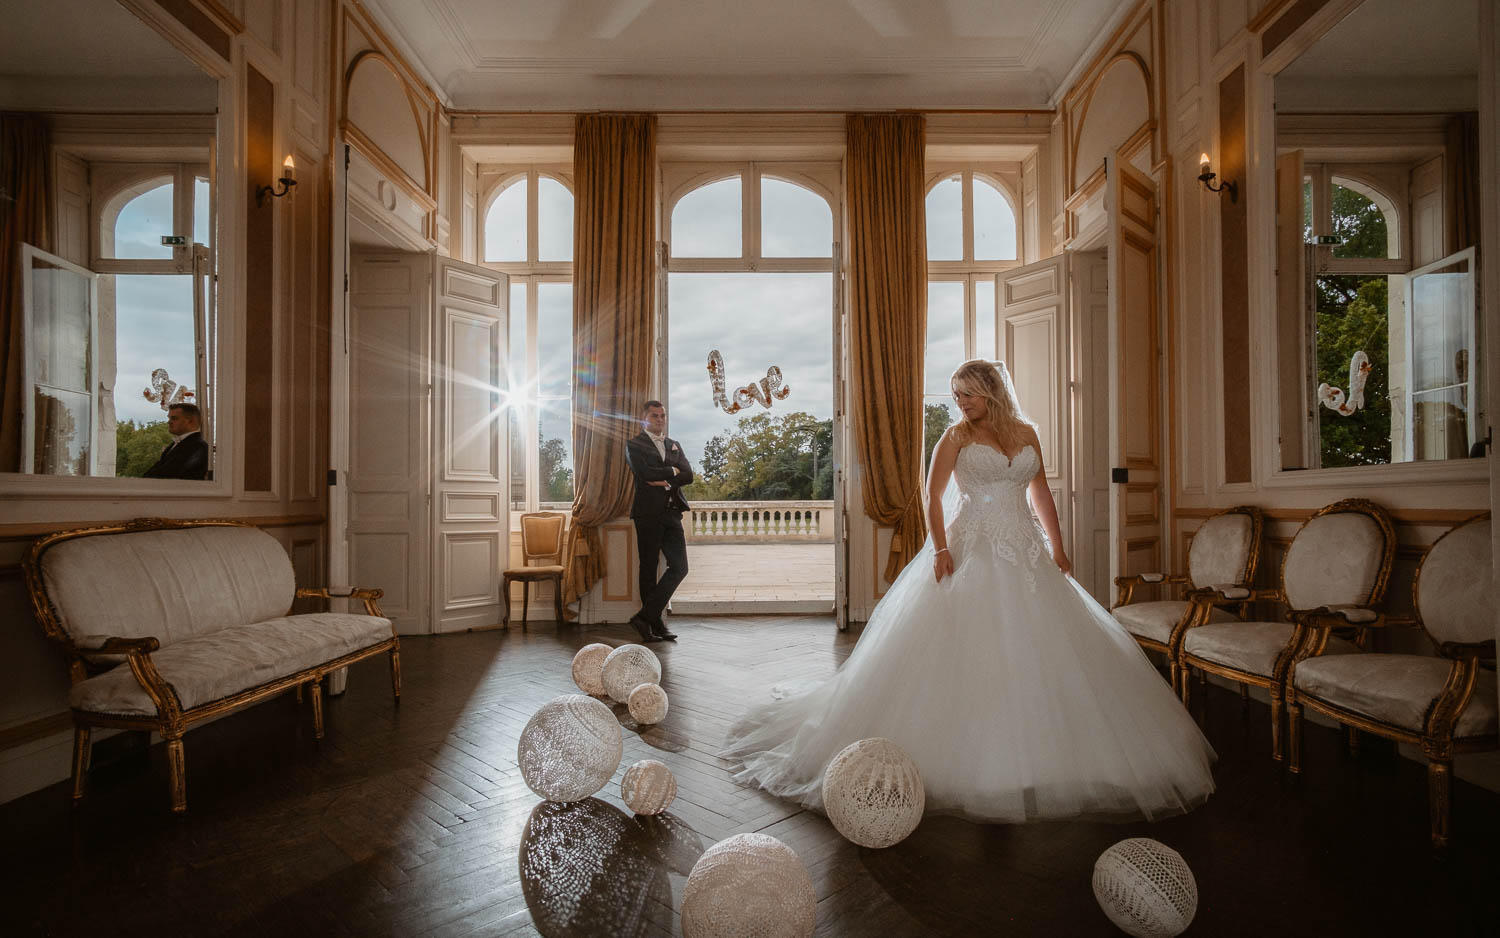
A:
x,y
1079,332
428,473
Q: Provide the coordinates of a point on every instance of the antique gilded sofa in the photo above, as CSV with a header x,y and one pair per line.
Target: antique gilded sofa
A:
x,y
168,623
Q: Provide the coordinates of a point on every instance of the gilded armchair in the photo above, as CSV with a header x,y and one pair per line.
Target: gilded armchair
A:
x,y
1340,559
1223,555
1446,703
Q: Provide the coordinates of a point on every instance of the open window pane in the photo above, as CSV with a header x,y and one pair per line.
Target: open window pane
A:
x,y
516,409
554,339
202,226
795,221
155,364
59,345
505,225
555,454
945,221
142,223
554,220
1442,364
984,319
994,224
1353,314
945,334
706,221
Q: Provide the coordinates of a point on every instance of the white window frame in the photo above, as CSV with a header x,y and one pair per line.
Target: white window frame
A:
x,y
493,179
976,274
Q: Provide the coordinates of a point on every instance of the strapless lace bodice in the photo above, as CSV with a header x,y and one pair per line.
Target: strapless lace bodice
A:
x,y
992,506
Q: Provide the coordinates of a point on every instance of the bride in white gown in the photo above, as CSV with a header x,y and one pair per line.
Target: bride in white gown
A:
x,y
1018,696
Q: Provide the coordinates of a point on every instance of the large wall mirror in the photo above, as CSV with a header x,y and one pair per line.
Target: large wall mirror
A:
x,y
1377,238
110,346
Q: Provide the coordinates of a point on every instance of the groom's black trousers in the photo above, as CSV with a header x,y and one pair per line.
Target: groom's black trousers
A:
x,y
660,535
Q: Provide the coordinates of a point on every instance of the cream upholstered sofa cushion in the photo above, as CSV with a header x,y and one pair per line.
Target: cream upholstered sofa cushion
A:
x,y
223,663
1250,647
1220,550
1333,561
173,584
1455,590
1395,689
1156,620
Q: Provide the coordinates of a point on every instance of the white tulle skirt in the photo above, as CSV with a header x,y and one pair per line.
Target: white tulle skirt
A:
x,y
1015,704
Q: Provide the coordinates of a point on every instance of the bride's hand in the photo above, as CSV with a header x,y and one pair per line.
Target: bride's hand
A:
x,y
1063,563
942,564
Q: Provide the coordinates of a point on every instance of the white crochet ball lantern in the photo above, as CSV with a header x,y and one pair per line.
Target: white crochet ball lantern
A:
x,y
748,884
570,748
627,668
648,703
1146,888
873,793
588,668
648,787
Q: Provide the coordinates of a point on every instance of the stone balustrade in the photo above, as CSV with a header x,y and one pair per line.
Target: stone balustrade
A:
x,y
760,522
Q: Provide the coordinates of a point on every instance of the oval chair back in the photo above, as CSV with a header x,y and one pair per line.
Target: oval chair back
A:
x,y
1452,592
1223,550
1342,555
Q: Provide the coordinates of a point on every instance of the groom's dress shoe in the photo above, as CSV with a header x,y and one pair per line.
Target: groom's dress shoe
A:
x,y
660,631
645,628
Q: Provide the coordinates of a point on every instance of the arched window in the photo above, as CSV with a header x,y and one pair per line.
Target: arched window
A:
x,y
1355,308
135,219
526,230
750,273
972,235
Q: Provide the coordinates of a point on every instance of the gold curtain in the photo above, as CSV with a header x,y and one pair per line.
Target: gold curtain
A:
x,y
614,305
888,319
25,198
1463,180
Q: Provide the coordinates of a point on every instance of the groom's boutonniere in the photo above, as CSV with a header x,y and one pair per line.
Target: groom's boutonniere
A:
x,y
674,447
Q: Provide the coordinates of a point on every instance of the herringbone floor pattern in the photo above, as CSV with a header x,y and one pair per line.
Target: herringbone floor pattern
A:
x,y
414,821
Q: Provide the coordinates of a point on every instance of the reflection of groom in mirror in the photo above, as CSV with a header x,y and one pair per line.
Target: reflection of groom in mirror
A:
x,y
660,471
187,456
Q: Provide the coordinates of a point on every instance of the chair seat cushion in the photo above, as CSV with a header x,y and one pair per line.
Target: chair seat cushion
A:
x,y
219,664
535,573
1395,689
1155,620
1250,647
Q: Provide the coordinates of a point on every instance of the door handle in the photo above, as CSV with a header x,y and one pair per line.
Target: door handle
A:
x,y
1118,474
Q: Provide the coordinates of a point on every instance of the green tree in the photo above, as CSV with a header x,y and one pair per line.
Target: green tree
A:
x,y
555,476
787,457
138,446
935,419
1359,224
1353,315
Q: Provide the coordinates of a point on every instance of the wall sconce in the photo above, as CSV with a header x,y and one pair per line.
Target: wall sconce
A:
x,y
1207,176
287,180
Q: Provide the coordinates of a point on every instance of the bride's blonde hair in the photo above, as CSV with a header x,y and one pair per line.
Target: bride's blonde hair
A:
x,y
991,381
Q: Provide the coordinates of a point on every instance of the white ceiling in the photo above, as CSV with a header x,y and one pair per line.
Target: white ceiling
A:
x,y
746,54
93,55
1390,55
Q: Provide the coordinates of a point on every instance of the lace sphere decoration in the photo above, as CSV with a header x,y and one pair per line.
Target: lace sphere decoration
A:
x,y
648,703
588,668
648,787
873,793
570,748
1146,888
627,668
748,884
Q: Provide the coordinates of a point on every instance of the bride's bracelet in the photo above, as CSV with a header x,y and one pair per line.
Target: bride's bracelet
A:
x,y
944,550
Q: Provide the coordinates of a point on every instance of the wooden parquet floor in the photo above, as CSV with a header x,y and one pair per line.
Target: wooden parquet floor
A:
x,y
414,821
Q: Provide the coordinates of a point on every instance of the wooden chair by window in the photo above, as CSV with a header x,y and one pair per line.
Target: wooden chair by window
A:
x,y
541,559
1444,704
1223,555
1339,559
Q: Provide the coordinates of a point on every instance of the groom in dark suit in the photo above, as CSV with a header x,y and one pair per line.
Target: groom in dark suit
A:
x,y
660,470
186,457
